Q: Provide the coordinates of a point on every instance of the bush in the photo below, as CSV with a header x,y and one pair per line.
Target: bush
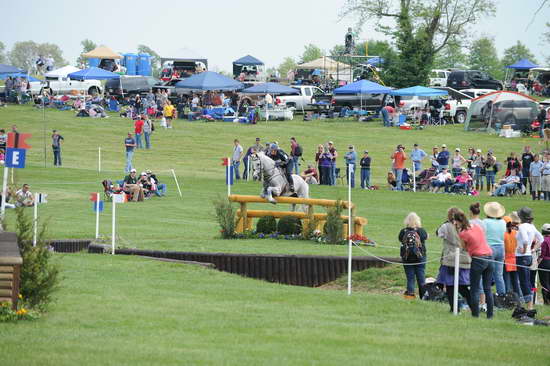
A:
x,y
266,225
309,228
334,224
39,277
225,214
289,225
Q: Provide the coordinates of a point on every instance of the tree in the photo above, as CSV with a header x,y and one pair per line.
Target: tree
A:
x,y
451,56
420,28
155,58
517,52
285,66
311,52
484,57
87,46
3,58
24,54
546,40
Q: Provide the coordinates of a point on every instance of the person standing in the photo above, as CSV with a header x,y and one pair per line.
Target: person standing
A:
x,y
526,159
479,169
3,139
295,155
236,158
350,157
318,154
545,177
365,170
334,153
495,228
56,147
147,131
491,169
413,253
527,237
511,281
535,177
399,158
417,155
443,157
433,157
138,130
481,269
544,265
458,160
169,113
130,145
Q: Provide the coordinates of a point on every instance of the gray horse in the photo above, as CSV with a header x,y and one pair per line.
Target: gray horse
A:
x,y
275,179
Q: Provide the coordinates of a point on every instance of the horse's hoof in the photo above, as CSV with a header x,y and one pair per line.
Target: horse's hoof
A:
x,y
273,201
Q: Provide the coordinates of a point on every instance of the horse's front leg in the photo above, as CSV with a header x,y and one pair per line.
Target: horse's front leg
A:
x,y
269,195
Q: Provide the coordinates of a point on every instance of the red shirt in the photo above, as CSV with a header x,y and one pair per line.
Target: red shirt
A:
x,y
390,109
399,158
475,241
138,126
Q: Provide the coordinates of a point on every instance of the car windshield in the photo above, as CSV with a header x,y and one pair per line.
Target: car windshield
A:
x,y
437,74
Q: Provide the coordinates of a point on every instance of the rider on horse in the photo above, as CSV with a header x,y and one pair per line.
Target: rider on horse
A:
x,y
281,160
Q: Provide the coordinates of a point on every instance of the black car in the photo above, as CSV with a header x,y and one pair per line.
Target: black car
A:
x,y
131,85
472,79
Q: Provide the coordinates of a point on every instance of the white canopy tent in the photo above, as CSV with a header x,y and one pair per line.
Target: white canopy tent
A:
x,y
61,72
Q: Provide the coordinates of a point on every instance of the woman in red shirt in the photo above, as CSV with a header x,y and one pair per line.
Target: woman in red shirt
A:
x,y
472,239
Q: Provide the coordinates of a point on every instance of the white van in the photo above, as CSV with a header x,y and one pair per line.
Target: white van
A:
x,y
439,77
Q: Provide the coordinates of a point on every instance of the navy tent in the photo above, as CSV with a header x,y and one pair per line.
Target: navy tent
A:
x,y
363,87
209,80
7,69
248,60
523,64
421,91
271,88
93,73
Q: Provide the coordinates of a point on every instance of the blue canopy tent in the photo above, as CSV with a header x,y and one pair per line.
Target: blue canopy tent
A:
x,y
209,80
363,87
271,88
93,73
8,69
523,64
247,64
248,60
419,91
19,75
375,61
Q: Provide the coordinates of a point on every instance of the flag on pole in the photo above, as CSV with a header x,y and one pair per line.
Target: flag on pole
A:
x,y
229,171
94,197
97,206
119,198
225,161
41,198
17,140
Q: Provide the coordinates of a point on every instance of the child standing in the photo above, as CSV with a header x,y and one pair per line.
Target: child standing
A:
x,y
511,280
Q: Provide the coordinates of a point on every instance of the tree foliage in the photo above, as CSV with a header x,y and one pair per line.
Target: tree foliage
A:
x,y
517,52
87,46
311,52
3,58
451,56
546,40
155,58
24,54
483,56
420,28
285,66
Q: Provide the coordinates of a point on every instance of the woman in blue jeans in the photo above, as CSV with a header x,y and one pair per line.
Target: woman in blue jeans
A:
x,y
413,253
495,228
473,240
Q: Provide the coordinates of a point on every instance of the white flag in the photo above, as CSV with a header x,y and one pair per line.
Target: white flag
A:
x,y
42,198
119,198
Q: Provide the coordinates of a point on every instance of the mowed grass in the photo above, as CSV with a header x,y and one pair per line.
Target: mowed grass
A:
x,y
134,311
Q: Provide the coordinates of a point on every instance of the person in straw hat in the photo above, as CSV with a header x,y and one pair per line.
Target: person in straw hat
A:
x,y
495,227
527,238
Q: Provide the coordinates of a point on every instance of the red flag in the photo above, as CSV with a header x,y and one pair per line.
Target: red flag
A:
x,y
17,140
93,197
225,161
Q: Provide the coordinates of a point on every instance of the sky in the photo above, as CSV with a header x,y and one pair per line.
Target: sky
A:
x,y
224,31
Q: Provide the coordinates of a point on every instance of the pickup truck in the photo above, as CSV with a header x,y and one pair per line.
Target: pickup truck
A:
x,y
371,102
457,105
308,93
64,85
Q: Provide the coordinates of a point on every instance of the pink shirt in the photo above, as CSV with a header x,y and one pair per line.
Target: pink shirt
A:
x,y
475,241
463,179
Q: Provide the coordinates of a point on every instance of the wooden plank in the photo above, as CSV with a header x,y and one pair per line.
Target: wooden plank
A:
x,y
6,276
5,292
289,200
6,284
301,215
6,269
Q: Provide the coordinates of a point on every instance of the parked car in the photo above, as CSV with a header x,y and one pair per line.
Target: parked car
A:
x,y
303,101
130,84
468,79
408,102
439,77
64,85
518,113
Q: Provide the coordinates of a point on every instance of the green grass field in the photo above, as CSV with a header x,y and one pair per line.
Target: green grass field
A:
x,y
135,311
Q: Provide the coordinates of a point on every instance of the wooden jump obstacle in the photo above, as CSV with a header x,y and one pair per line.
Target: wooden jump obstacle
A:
x,y
245,216
10,268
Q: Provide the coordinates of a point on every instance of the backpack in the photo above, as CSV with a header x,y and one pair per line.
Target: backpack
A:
x,y
411,247
298,150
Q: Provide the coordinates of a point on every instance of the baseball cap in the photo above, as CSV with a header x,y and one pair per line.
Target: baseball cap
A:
x,y
366,151
545,229
478,150
257,139
132,171
330,142
143,173
457,149
350,147
443,145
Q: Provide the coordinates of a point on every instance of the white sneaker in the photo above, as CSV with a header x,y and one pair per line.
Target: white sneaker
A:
x,y
483,308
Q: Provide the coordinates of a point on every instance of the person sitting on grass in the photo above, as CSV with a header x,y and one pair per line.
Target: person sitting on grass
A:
x,y
310,175
145,183
392,183
462,182
24,197
159,188
131,186
413,254
443,179
508,184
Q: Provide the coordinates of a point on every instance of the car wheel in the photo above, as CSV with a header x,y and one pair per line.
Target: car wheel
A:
x,y
499,87
460,117
93,90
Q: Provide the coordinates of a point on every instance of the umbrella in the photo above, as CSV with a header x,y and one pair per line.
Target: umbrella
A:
x,y
419,91
271,88
8,69
93,73
209,80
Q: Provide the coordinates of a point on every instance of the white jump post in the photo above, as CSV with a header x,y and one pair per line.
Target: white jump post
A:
x,y
4,192
177,184
35,220
113,228
414,177
455,289
248,169
350,169
97,216
99,159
